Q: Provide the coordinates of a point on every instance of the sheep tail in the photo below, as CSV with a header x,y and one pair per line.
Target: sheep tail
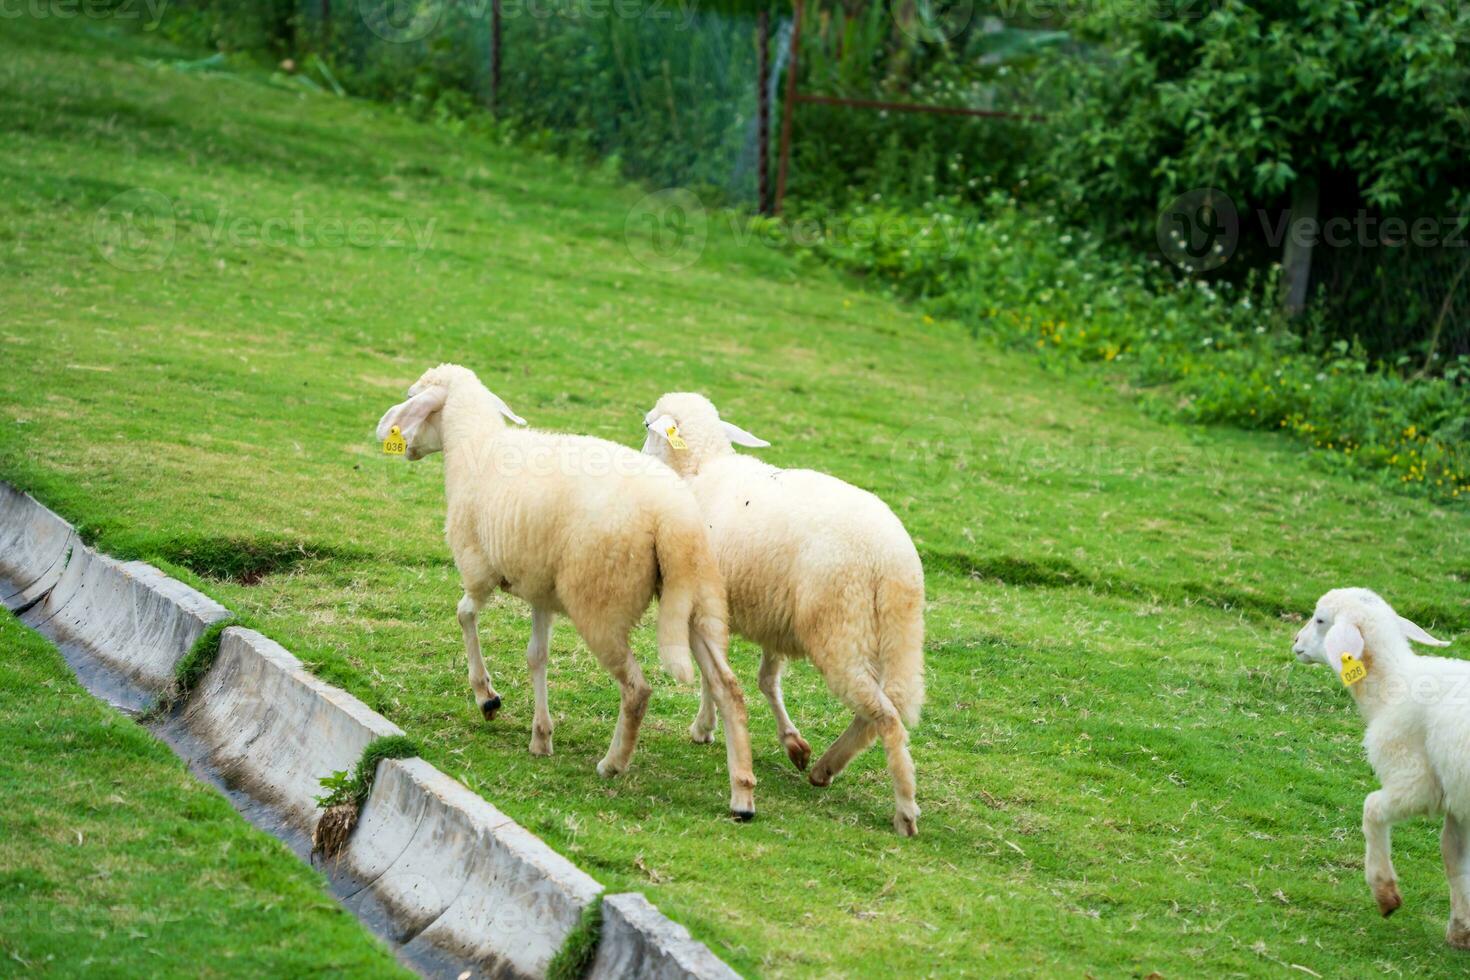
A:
x,y
901,642
687,569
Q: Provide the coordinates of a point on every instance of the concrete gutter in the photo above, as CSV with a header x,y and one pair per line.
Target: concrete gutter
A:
x,y
34,544
272,729
453,884
639,941
130,616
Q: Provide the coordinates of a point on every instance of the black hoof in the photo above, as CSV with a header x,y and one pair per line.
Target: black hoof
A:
x,y
744,816
489,708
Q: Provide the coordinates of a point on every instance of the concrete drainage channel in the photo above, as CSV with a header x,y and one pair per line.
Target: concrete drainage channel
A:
x,y
450,882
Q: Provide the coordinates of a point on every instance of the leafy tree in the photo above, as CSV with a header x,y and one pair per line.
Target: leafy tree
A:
x,y
1368,97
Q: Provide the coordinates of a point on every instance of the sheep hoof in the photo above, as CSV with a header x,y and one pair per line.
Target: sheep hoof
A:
x,y
906,825
608,770
1387,895
798,751
820,776
700,735
490,706
540,744
1458,935
744,816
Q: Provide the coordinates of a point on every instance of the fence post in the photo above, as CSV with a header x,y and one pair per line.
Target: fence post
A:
x,y
495,56
786,110
326,22
1296,254
762,112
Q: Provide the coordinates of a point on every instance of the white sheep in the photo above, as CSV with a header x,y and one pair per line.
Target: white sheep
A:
x,y
815,568
578,526
1417,711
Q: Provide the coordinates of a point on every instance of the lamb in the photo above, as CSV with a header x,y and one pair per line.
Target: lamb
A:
x,y
815,568
582,527
1418,735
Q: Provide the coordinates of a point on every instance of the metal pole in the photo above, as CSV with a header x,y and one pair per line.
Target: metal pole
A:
x,y
763,112
326,20
495,50
786,110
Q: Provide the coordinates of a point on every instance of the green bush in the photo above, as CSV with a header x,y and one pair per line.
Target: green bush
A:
x,y
1206,352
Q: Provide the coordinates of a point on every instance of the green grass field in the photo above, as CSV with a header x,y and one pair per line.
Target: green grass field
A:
x,y
1121,768
114,861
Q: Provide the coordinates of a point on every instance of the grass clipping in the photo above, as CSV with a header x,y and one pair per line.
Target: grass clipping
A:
x,y
347,792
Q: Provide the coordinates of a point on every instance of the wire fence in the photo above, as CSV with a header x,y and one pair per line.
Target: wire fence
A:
x,y
671,90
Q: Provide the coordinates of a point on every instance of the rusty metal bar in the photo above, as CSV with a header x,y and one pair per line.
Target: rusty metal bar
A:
x,y
762,112
791,70
941,110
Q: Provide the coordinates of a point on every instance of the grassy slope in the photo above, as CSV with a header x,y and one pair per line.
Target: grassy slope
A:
x,y
115,861
1120,767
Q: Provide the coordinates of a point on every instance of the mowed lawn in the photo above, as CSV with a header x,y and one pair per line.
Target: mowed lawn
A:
x,y
1121,768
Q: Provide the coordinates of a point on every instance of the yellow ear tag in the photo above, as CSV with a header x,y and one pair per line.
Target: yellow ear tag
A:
x,y
675,440
1353,670
395,444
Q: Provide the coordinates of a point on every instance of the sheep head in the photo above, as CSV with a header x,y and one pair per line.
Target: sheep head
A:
x,y
420,418
1346,620
685,430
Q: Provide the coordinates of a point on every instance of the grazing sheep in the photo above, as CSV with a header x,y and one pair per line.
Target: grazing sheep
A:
x,y
815,568
578,526
1417,711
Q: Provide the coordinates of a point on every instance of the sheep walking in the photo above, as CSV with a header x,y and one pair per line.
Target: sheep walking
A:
x,y
814,568
585,528
1417,711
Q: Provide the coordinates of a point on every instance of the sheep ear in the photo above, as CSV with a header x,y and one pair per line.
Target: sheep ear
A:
x,y
409,415
1417,633
505,409
1342,638
740,437
668,429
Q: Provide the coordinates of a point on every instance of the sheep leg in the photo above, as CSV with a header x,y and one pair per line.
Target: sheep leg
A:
x,y
862,694
1380,812
797,748
469,623
725,691
702,729
634,692
1457,868
849,745
537,652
